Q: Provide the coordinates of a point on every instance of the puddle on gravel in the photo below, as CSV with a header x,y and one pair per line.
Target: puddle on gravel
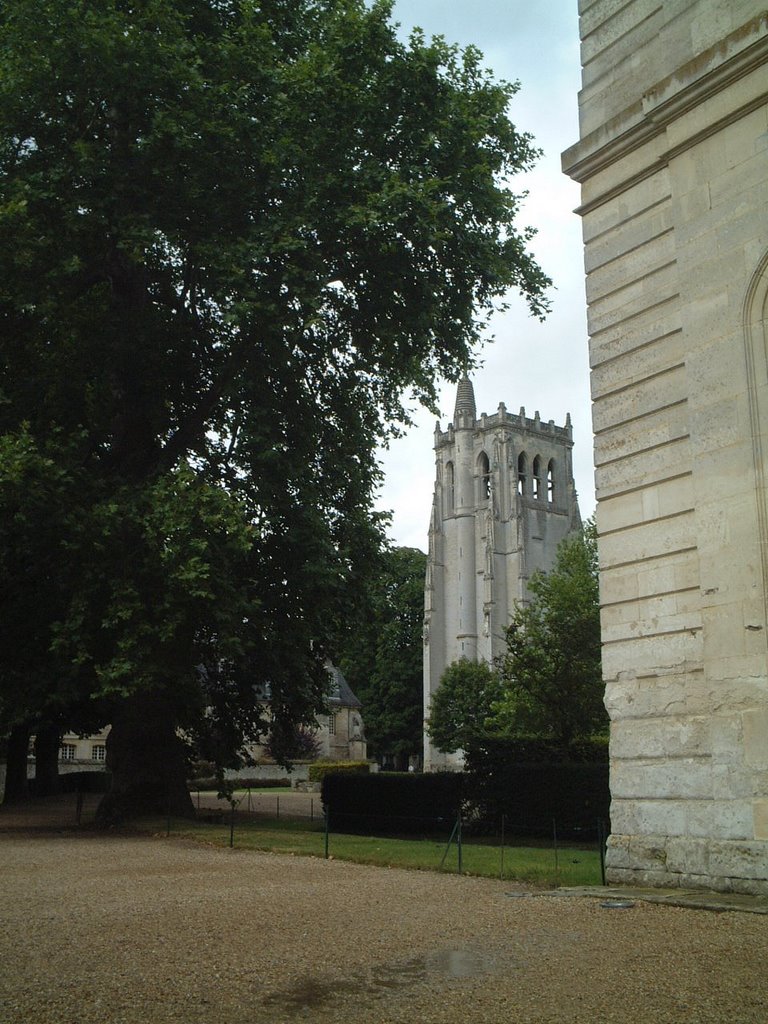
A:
x,y
311,993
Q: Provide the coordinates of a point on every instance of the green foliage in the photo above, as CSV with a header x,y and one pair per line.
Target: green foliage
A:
x,y
462,704
535,798
382,655
320,769
497,750
551,672
231,236
292,743
393,802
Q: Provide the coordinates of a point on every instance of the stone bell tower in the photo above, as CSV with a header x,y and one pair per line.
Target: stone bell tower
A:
x,y
504,499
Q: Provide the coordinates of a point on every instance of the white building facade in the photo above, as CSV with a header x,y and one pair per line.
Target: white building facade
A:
x,y
504,499
673,164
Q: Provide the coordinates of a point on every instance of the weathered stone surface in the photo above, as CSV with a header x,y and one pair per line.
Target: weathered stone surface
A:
x,y
673,163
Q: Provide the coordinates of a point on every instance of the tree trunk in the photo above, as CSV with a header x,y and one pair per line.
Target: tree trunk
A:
x,y
47,743
146,758
16,788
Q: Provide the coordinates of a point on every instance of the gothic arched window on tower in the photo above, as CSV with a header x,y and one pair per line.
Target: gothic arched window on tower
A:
x,y
449,495
537,477
522,473
483,477
551,482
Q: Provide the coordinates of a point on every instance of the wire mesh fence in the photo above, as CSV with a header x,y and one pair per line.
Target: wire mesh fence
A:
x,y
562,852
559,852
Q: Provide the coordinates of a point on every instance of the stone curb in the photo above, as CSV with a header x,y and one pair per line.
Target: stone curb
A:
x,y
691,898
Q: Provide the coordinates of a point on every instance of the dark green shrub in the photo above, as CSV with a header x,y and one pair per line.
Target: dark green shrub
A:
x,y
534,794
85,782
388,803
319,770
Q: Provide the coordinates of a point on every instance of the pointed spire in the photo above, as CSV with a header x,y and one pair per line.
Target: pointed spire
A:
x,y
465,403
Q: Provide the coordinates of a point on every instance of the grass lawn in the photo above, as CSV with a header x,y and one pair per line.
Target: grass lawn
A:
x,y
537,865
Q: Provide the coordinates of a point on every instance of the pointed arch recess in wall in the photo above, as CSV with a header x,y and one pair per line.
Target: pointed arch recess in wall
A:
x,y
483,477
755,319
450,496
522,473
536,473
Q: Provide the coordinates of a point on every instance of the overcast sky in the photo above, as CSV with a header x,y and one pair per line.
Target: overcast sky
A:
x,y
542,366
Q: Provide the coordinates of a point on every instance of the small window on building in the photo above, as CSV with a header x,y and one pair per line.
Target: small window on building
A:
x,y
522,473
68,751
332,724
551,482
537,478
98,752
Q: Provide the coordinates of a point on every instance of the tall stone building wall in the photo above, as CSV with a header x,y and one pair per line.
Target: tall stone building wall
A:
x,y
673,163
504,499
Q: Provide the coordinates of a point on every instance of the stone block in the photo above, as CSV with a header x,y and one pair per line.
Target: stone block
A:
x,y
720,819
725,739
623,817
653,501
688,856
633,205
617,851
731,782
644,879
660,817
631,233
646,468
630,299
666,738
655,252
648,540
653,654
662,779
648,852
742,860
657,428
755,726
760,816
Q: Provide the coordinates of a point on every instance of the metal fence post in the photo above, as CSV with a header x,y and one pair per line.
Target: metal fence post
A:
x,y
458,838
554,843
501,869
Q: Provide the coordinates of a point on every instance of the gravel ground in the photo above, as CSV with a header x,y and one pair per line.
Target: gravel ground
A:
x,y
136,930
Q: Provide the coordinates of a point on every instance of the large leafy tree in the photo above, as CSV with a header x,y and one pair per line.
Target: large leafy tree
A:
x,y
382,655
551,671
463,704
231,234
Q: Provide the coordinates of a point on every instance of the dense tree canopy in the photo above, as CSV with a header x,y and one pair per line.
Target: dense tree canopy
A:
x,y
382,656
231,234
551,672
462,705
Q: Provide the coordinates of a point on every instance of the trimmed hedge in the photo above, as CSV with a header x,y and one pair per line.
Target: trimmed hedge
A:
x,y
81,782
392,803
319,769
531,797
502,750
